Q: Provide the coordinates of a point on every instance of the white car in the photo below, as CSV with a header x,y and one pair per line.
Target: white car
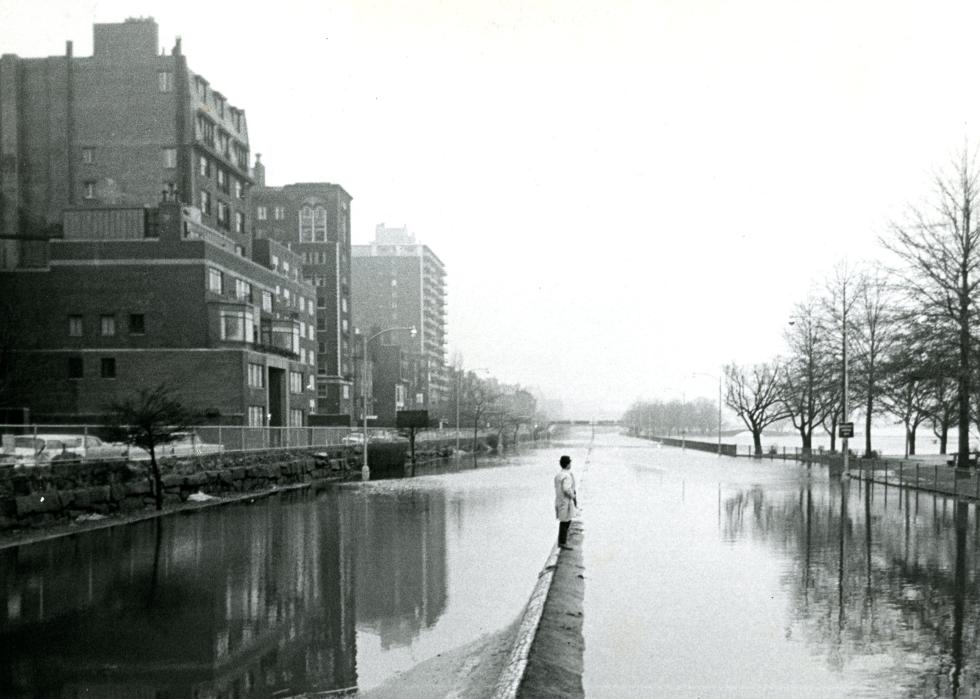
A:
x,y
31,450
187,444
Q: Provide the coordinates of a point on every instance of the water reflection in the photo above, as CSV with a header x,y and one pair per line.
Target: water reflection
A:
x,y
400,562
188,604
882,582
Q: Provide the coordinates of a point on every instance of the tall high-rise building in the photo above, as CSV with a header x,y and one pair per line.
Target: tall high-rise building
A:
x,y
115,128
313,220
401,283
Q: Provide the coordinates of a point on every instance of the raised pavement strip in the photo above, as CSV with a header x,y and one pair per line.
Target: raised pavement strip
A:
x,y
546,658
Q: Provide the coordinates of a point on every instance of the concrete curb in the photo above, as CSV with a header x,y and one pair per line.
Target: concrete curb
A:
x,y
513,673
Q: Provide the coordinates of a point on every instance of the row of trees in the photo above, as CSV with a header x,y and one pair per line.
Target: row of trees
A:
x,y
486,403
905,331
667,418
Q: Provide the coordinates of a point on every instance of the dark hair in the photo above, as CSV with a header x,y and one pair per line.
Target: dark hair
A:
x,y
565,461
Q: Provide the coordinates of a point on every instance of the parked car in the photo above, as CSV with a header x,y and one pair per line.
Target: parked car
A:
x,y
31,450
187,444
353,438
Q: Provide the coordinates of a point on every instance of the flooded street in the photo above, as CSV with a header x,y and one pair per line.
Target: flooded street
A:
x,y
704,577
721,577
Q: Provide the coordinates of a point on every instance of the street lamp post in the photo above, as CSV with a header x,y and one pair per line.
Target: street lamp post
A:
x,y
365,469
712,376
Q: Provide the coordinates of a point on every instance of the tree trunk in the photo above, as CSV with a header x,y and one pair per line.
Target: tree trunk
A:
x,y
910,437
157,479
943,436
867,426
757,441
964,377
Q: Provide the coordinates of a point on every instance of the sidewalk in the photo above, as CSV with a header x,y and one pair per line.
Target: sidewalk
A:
x,y
546,660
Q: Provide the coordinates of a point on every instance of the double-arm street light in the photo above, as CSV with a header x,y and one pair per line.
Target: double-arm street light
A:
x,y
712,376
365,469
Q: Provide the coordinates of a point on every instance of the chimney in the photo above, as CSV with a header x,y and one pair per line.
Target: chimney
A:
x,y
258,172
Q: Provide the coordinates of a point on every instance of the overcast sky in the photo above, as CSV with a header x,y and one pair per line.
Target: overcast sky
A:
x,y
624,193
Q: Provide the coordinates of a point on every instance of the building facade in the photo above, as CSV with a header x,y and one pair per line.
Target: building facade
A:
x,y
115,128
401,283
134,297
313,220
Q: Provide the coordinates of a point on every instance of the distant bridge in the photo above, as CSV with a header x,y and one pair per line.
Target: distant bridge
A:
x,y
587,423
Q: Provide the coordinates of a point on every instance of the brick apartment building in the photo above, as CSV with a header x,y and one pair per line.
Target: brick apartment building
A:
x,y
132,297
115,128
401,283
313,220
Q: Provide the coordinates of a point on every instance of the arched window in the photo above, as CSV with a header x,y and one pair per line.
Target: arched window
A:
x,y
306,225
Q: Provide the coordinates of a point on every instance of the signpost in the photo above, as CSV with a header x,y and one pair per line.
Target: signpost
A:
x,y
413,420
846,430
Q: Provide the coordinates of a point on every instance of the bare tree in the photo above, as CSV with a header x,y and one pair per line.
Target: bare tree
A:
x,y
939,247
873,340
754,396
148,419
806,372
839,306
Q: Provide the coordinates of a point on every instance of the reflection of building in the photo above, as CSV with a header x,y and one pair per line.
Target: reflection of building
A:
x,y
115,128
400,283
313,219
400,565
132,297
192,609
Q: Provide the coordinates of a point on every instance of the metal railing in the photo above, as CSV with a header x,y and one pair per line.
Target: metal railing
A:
x,y
40,444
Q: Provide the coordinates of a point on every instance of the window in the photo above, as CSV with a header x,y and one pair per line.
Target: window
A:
x,y
165,81
321,347
239,222
169,157
295,382
267,301
343,304
215,280
108,325
278,213
243,290
203,166
256,415
75,327
88,155
205,130
322,366
256,375
239,188
321,301
108,367
321,323
302,329
75,368
346,391
224,219
236,326
343,325
313,225
224,144
310,379
296,418
222,179
137,324
261,213
312,333
89,187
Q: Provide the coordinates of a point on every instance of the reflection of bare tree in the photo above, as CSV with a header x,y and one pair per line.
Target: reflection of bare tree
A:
x,y
883,580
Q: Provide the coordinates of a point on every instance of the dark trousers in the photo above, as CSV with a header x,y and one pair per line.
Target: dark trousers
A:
x,y
563,532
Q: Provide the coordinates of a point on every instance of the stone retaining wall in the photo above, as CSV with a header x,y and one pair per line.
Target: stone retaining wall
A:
x,y
62,492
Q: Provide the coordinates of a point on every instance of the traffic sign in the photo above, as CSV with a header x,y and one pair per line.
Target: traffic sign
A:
x,y
846,429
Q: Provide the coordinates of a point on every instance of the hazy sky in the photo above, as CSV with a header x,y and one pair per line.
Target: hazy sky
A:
x,y
623,193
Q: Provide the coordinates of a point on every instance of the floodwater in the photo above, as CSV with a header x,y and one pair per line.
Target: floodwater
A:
x,y
704,577
719,577
298,593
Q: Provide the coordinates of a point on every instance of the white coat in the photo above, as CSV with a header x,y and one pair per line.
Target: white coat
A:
x,y
565,496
